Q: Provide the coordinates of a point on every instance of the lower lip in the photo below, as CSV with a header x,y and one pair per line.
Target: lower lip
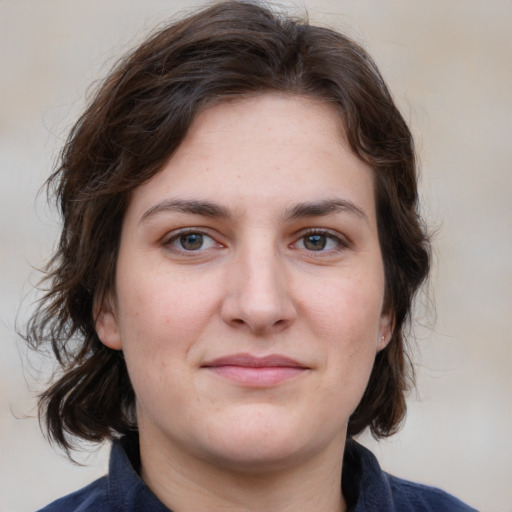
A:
x,y
257,377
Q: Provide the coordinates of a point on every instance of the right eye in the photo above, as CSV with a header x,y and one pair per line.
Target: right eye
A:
x,y
190,241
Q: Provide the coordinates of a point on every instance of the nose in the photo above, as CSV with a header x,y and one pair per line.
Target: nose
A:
x,y
258,296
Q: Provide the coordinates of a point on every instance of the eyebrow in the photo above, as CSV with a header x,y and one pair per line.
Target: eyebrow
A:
x,y
204,208
210,209
325,207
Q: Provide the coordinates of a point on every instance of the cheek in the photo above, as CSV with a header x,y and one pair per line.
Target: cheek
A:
x,y
346,315
161,319
161,315
347,309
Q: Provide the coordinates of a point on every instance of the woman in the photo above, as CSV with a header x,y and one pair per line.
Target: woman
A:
x,y
240,250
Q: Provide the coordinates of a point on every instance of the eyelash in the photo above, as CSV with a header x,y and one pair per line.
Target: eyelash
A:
x,y
176,235
341,242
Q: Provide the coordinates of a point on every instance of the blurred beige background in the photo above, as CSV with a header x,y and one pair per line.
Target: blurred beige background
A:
x,y
449,65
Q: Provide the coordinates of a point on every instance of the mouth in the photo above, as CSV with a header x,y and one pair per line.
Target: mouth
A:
x,y
251,371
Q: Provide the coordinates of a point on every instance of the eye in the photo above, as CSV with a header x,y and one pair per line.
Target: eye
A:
x,y
320,241
190,241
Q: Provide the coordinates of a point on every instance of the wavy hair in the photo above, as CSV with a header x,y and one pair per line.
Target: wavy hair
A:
x,y
137,118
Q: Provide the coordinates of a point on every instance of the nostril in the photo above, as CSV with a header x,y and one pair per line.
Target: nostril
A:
x,y
259,310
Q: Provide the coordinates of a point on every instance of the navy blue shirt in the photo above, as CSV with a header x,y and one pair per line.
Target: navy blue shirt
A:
x,y
366,488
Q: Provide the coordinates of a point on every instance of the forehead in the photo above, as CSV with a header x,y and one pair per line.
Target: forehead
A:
x,y
269,151
265,120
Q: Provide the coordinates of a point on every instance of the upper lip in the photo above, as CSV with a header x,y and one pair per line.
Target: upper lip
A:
x,y
250,361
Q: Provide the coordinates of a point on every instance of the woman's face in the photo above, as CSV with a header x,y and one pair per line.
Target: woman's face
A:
x,y
249,287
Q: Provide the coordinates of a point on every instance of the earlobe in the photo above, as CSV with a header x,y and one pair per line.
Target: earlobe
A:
x,y
107,328
385,331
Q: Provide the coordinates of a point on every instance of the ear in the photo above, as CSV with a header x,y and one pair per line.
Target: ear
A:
x,y
386,327
106,324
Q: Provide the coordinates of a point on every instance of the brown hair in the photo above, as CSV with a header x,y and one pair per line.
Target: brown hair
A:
x,y
137,119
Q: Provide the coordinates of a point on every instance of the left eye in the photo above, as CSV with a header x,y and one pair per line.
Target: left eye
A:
x,y
318,242
191,241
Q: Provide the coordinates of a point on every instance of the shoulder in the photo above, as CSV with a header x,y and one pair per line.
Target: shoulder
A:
x,y
368,488
418,497
121,490
92,498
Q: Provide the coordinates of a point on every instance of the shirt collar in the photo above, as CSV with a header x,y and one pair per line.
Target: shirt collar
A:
x,y
365,486
126,489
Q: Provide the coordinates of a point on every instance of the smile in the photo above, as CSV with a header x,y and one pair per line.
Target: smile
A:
x,y
253,371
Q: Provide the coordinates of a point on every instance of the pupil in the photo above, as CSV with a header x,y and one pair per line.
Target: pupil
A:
x,y
191,242
315,242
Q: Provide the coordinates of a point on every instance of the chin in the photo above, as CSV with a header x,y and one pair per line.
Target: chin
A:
x,y
257,457
261,443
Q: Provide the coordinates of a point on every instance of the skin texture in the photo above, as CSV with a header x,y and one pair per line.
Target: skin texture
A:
x,y
271,276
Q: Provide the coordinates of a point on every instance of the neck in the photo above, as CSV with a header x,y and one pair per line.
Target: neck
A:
x,y
185,483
